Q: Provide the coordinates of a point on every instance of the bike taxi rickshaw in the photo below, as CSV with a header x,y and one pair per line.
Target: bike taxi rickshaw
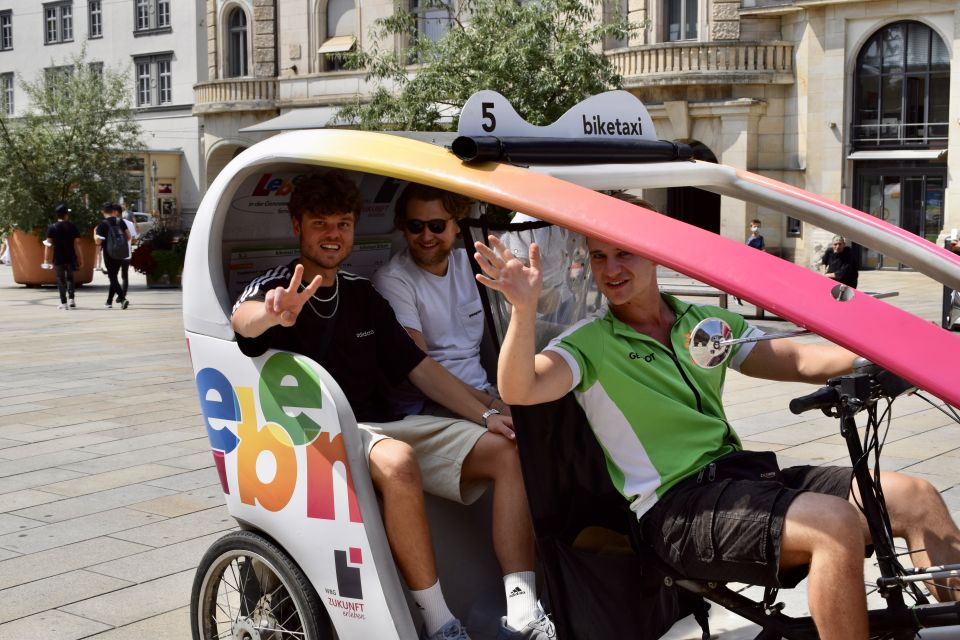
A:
x,y
311,559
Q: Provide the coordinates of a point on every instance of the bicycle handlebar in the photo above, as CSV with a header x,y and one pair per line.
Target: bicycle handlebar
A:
x,y
822,398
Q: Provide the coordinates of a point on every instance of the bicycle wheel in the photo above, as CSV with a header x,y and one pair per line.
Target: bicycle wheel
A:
x,y
247,588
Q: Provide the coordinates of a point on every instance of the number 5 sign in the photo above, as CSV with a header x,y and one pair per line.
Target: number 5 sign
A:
x,y
611,115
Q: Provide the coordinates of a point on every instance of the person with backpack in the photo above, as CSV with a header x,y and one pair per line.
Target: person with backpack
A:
x,y
63,247
124,217
112,236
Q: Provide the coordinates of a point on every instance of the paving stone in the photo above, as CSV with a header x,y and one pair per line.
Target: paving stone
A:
x,y
160,562
63,559
51,625
173,625
10,523
33,479
173,530
102,464
112,479
68,508
61,444
53,592
137,602
82,528
183,503
122,445
188,480
200,460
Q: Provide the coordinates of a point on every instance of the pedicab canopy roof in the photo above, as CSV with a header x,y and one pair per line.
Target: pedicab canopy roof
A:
x,y
592,147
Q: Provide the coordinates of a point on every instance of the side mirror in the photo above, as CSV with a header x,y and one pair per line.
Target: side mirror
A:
x,y
709,343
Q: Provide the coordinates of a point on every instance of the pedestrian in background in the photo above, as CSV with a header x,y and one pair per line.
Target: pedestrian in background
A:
x,y
132,231
62,248
756,240
112,235
839,263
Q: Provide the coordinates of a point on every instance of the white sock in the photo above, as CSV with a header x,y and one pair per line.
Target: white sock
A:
x,y
433,607
521,588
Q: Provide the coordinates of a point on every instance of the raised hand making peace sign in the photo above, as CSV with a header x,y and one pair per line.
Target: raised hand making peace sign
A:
x,y
283,304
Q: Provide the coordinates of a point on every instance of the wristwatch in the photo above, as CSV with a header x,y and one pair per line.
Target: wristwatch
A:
x,y
487,414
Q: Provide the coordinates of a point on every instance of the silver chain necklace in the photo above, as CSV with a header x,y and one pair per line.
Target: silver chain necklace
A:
x,y
335,297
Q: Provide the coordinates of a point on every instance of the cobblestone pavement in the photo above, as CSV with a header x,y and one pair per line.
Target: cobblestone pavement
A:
x,y
108,495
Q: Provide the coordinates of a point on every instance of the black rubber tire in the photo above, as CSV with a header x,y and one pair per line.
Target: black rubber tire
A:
x,y
240,549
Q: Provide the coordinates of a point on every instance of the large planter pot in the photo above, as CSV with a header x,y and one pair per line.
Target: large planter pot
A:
x,y
26,256
167,268
163,281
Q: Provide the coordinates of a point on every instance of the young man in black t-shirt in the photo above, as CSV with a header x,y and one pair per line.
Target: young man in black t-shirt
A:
x,y
341,322
64,244
112,264
840,263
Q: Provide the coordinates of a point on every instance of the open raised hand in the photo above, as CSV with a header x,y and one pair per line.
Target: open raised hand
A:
x,y
502,271
283,304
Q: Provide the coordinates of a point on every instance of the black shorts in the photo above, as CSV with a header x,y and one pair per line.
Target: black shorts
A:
x,y
731,530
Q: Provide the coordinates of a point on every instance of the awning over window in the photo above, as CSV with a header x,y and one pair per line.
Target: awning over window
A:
x,y
899,154
337,44
305,118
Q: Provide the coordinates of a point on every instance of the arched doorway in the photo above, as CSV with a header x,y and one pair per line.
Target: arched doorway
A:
x,y
219,156
692,205
899,130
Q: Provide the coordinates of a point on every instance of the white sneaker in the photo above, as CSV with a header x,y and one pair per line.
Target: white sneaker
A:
x,y
61,306
73,304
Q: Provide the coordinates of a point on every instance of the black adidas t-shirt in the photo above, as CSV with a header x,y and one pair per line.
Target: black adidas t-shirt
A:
x,y
362,346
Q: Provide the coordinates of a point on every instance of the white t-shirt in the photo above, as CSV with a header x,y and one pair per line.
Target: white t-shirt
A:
x,y
445,309
132,228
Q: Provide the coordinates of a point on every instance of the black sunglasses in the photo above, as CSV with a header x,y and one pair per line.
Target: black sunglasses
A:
x,y
437,225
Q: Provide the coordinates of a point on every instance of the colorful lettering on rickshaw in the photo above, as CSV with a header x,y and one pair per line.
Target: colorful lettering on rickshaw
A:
x,y
270,186
286,388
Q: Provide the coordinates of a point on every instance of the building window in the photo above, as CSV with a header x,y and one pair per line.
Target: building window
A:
x,y
58,21
6,93
237,44
341,33
151,15
612,11
95,18
794,227
6,30
681,22
433,18
902,88
154,80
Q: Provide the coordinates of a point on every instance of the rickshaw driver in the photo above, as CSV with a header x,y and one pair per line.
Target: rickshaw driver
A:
x,y
670,450
367,351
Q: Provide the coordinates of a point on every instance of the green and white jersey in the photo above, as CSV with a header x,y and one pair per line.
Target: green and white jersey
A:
x,y
658,416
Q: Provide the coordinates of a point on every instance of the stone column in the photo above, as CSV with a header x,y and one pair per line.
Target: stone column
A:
x,y
265,38
738,136
212,40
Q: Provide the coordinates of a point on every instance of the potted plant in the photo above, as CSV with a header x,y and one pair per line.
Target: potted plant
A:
x,y
71,144
159,256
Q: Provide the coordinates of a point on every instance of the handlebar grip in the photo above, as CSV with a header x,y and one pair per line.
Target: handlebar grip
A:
x,y
822,398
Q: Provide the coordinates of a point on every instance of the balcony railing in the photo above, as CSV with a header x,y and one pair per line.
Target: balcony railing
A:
x,y
679,63
235,94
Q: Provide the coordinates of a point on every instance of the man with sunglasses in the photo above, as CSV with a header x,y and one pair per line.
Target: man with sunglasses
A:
x,y
431,288
336,318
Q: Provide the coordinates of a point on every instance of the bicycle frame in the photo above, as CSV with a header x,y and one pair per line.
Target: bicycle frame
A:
x,y
898,620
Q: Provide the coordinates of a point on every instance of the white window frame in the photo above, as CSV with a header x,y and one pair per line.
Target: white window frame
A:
x,y
153,80
151,16
95,18
6,93
6,30
57,22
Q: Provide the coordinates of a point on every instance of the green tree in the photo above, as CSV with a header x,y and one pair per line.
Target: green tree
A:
x,y
71,145
544,56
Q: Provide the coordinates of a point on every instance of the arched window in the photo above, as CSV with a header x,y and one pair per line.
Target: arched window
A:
x,y
902,88
236,44
341,32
